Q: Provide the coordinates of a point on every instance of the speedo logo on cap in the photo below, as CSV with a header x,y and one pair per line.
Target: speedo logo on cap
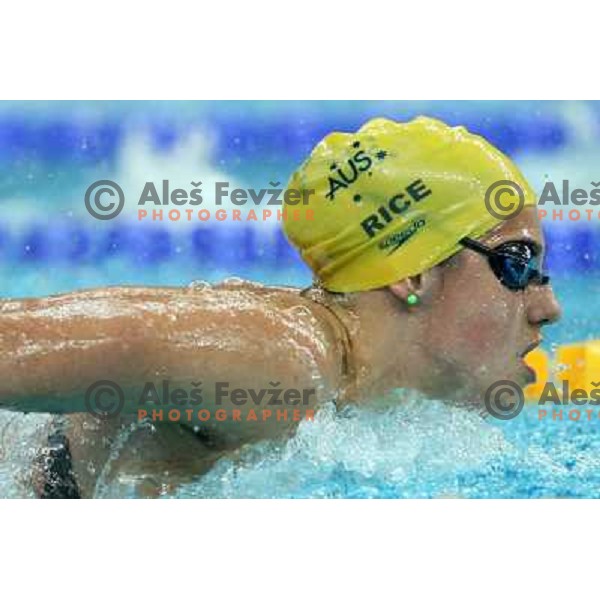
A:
x,y
395,240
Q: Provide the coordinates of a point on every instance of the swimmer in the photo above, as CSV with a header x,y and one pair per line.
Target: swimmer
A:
x,y
418,285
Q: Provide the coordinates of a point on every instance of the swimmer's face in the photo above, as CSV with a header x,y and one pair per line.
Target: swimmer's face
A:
x,y
478,331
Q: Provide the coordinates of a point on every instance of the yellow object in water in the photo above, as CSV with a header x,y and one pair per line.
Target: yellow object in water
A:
x,y
393,200
538,360
579,364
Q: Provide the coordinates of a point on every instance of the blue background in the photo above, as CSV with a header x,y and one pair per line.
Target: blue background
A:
x,y
50,152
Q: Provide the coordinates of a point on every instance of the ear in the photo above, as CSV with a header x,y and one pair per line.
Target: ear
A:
x,y
422,285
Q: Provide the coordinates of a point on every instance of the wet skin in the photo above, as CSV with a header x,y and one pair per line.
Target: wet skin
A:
x,y
467,332
247,335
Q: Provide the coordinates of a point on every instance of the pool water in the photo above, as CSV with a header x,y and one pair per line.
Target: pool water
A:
x,y
421,449
424,449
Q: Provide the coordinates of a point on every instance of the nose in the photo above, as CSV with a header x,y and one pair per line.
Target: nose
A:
x,y
544,308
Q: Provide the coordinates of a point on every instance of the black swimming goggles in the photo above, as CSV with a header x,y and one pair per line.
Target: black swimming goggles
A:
x,y
515,264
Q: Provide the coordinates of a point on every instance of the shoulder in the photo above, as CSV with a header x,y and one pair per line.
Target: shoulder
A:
x,y
282,328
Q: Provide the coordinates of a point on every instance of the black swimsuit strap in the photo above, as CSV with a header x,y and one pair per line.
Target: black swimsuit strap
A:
x,y
57,469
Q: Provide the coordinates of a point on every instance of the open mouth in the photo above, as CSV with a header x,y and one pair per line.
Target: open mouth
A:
x,y
531,375
530,348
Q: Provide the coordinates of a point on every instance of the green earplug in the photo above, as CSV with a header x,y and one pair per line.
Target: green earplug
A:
x,y
412,299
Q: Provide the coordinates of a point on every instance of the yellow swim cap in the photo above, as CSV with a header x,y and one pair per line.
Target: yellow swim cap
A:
x,y
393,199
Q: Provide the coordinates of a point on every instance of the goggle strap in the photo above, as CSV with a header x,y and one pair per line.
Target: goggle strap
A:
x,y
475,245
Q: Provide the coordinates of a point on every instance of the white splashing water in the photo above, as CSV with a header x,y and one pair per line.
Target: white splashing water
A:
x,y
413,448
20,437
359,452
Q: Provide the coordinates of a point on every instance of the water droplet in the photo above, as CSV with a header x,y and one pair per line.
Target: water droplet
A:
x,y
300,311
199,285
234,281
